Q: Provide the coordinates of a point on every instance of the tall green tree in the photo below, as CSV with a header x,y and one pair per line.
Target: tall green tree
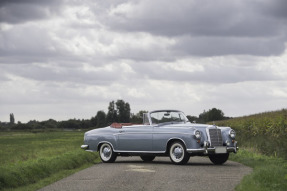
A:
x,y
94,121
123,111
215,114
112,113
118,111
101,119
12,119
211,115
138,118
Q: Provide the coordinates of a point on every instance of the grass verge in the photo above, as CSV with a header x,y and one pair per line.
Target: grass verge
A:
x,y
37,159
30,172
269,173
51,179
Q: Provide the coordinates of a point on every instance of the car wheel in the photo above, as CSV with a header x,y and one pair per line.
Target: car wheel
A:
x,y
147,158
219,158
178,154
107,154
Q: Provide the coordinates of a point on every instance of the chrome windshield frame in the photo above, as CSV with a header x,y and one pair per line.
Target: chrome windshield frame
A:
x,y
180,114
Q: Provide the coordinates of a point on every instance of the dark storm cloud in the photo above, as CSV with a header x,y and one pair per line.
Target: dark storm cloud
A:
x,y
18,11
215,46
203,18
209,21
275,8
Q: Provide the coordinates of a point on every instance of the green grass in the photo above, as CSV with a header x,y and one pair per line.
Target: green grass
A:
x,y
29,158
51,179
269,173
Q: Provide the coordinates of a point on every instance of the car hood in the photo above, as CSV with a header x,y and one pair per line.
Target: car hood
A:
x,y
185,125
100,130
191,126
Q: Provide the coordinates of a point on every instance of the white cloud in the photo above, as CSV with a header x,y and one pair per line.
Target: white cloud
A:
x,y
68,60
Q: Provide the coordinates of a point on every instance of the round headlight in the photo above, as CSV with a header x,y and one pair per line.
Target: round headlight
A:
x,y
232,134
197,134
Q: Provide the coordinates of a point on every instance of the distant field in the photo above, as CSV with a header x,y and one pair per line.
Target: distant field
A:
x,y
26,158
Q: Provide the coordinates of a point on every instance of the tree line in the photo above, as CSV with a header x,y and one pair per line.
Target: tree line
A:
x,y
118,111
208,116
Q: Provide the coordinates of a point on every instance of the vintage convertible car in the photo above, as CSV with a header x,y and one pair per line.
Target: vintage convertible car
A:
x,y
163,133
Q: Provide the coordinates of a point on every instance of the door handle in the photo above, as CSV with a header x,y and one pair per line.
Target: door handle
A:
x,y
121,131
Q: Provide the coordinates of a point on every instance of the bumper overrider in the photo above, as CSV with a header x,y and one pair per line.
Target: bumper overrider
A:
x,y
215,150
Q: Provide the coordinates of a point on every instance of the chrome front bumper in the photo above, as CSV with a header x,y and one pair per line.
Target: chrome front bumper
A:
x,y
85,147
212,150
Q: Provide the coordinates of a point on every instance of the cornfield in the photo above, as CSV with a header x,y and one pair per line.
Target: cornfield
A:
x,y
265,132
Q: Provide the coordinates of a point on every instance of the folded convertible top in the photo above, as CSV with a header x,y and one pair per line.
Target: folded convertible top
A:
x,y
120,125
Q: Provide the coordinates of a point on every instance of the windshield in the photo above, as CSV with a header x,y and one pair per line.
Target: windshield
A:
x,y
167,116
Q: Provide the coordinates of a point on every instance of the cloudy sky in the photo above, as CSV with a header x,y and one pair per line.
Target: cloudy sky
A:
x,y
70,58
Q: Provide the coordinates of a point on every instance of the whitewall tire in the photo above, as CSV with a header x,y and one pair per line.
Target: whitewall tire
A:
x,y
178,154
107,154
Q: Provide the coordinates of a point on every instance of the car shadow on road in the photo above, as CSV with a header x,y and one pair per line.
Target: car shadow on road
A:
x,y
160,161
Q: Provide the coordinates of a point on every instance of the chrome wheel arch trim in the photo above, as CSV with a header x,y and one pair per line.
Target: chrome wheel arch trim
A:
x,y
173,139
102,142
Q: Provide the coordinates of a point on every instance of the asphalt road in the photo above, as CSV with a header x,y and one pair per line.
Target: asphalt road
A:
x,y
130,173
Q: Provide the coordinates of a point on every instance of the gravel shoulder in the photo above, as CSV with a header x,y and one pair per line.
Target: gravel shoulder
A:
x,y
130,173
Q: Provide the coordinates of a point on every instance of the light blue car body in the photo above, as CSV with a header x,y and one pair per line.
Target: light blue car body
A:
x,y
155,138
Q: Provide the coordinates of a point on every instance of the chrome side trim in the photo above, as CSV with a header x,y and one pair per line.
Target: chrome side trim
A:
x,y
124,132
119,151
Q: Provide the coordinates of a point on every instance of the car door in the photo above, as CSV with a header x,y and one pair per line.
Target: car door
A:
x,y
161,135
135,138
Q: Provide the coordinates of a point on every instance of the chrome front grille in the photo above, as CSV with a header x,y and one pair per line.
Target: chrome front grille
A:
x,y
215,137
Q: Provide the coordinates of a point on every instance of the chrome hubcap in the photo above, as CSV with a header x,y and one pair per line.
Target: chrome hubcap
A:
x,y
107,152
178,152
